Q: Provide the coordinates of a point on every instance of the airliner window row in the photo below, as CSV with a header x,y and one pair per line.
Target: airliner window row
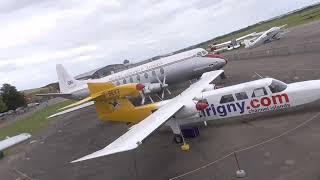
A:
x,y
138,77
115,78
133,73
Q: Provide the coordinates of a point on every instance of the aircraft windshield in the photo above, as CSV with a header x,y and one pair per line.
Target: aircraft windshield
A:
x,y
202,53
277,86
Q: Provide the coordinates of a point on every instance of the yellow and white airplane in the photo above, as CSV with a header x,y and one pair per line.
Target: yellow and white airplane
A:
x,y
112,104
198,103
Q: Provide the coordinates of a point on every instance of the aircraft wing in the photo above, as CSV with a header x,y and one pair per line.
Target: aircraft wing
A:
x,y
72,109
283,26
4,144
246,36
134,137
255,34
63,95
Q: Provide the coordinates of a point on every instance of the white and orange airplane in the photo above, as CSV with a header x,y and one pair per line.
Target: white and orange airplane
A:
x,y
198,103
156,75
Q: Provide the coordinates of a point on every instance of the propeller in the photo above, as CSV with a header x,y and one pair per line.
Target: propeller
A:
x,y
201,104
141,87
164,86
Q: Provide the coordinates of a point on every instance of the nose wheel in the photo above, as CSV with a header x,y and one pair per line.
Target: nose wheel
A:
x,y
177,138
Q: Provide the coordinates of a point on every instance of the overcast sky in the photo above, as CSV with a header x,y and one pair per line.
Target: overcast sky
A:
x,y
83,35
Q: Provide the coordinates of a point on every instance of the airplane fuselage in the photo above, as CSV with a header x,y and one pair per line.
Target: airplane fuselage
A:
x,y
268,36
254,97
176,68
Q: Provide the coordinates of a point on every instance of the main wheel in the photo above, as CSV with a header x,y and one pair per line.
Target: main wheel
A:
x,y
177,138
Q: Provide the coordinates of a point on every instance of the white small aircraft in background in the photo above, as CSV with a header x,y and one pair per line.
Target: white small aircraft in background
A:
x,y
198,103
11,141
274,33
155,75
232,44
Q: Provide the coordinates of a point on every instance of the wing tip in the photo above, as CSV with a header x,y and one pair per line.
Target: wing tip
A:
x,y
74,161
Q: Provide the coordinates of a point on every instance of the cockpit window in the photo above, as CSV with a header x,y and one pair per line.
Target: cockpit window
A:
x,y
202,53
277,86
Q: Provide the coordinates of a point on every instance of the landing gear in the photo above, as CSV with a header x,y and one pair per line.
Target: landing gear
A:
x,y
177,138
178,135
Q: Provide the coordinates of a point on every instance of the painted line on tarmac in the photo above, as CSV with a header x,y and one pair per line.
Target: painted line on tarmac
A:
x,y
247,148
23,174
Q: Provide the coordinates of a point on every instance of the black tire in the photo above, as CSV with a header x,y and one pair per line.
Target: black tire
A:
x,y
177,138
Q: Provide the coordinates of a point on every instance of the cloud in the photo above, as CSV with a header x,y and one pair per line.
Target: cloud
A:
x,y
37,34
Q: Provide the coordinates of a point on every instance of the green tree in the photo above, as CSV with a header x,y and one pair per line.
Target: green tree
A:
x,y
3,106
11,97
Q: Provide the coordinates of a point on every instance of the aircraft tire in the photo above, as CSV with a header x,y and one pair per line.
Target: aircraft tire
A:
x,y
177,138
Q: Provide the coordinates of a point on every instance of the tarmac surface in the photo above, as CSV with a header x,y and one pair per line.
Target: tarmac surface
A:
x,y
281,146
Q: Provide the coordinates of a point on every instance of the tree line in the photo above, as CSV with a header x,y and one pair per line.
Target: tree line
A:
x,y
10,98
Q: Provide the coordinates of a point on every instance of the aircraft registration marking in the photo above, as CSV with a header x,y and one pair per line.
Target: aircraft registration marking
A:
x,y
112,93
255,105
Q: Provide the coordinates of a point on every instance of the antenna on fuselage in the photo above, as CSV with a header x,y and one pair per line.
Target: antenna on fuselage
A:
x,y
258,75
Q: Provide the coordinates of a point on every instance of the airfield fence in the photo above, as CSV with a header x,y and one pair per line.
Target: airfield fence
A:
x,y
309,47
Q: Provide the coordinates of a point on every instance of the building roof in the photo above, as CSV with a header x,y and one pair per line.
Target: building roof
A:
x,y
86,74
101,72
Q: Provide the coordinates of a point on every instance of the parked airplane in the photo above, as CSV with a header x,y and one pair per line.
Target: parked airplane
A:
x,y
198,103
11,141
156,75
232,44
274,33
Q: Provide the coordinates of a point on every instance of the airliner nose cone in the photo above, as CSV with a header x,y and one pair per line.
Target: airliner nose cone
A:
x,y
222,60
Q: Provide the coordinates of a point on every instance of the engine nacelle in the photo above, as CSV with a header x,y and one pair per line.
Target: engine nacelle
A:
x,y
152,88
191,109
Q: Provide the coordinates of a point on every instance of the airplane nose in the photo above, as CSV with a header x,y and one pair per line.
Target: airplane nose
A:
x,y
223,61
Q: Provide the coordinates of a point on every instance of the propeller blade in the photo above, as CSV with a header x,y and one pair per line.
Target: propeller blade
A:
x,y
151,99
164,80
159,97
169,92
162,95
143,97
159,80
